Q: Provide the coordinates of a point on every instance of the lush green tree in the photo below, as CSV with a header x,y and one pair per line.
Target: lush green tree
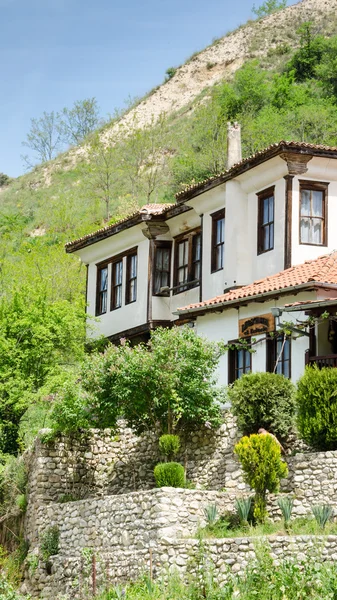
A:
x,y
260,458
38,339
263,400
309,55
269,7
317,408
326,70
166,385
76,123
43,139
4,179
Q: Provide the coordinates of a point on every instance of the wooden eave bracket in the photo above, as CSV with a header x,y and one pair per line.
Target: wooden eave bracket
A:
x,y
296,162
154,228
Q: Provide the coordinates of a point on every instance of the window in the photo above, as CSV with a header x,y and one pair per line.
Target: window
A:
x,y
162,268
131,278
279,350
265,227
239,361
187,269
102,290
218,241
313,209
116,284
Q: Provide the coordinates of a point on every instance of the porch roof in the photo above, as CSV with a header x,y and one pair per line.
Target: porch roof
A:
x,y
321,272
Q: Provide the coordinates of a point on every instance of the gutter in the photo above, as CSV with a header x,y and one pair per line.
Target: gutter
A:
x,y
231,303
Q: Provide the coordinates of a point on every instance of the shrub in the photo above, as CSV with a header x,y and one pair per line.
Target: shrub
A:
x,y
263,400
49,542
260,457
211,514
169,445
243,506
170,474
317,408
170,72
286,506
322,514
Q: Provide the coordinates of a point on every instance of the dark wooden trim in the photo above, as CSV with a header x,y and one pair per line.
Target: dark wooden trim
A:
x,y
219,214
161,244
201,254
288,206
98,270
86,287
320,186
188,235
312,341
150,280
267,193
117,257
139,330
128,276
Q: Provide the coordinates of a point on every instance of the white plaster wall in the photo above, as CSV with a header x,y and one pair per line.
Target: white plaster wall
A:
x,y
225,326
129,315
324,170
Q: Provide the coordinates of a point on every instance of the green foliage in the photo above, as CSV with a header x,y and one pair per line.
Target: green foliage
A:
x,y
286,504
260,457
309,55
4,179
13,481
71,411
49,542
21,502
167,384
170,72
170,474
263,400
211,514
77,122
169,445
269,7
317,408
7,590
322,514
37,337
243,507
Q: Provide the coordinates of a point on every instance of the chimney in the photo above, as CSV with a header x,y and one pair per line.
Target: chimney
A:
x,y
234,153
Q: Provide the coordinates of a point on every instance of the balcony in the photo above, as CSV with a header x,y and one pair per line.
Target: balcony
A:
x,y
329,360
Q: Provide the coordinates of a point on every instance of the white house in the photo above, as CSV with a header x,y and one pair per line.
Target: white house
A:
x,y
224,255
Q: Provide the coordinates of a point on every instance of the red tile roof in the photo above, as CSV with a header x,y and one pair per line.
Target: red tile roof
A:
x,y
253,160
321,270
133,219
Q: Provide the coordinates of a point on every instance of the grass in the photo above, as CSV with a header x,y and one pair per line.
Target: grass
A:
x,y
300,526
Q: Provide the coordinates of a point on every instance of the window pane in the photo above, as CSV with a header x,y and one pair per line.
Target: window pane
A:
x,y
271,235
317,204
286,350
317,231
220,231
219,257
271,208
103,302
305,202
165,252
133,266
118,296
247,361
197,247
266,237
265,217
240,359
103,279
182,253
305,231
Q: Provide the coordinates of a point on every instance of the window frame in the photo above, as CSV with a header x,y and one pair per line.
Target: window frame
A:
x,y
261,196
217,216
319,186
161,245
190,265
272,353
129,279
115,262
99,269
233,360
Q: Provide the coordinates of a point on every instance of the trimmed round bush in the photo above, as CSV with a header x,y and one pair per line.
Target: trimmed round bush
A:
x,y
263,400
169,474
317,408
169,445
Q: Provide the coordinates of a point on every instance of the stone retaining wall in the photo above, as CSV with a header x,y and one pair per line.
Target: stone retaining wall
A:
x,y
73,575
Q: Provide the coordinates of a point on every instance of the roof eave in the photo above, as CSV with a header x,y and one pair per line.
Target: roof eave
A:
x,y
233,303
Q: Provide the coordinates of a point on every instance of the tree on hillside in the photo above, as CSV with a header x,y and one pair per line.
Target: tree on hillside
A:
x,y
43,139
77,122
103,172
4,179
269,7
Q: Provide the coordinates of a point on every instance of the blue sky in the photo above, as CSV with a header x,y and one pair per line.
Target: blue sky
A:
x,y
54,52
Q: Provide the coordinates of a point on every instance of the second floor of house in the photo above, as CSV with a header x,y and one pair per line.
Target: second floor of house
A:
x,y
263,215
